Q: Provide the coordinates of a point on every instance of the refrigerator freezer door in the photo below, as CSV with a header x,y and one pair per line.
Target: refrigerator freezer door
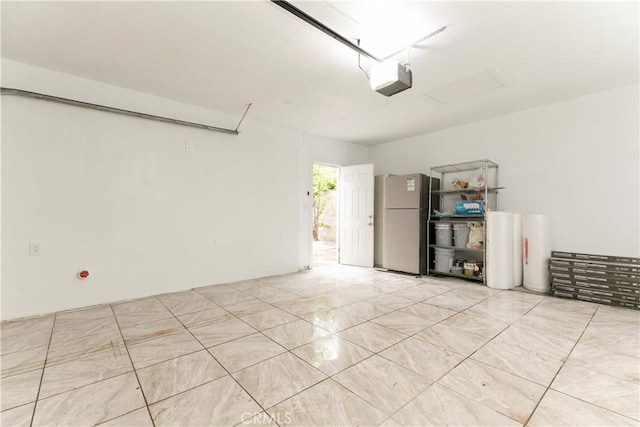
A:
x,y
403,191
402,240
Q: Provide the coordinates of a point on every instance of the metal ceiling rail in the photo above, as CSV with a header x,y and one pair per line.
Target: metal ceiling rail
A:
x,y
320,26
75,103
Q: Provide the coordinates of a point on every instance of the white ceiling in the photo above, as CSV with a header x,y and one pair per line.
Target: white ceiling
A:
x,y
223,55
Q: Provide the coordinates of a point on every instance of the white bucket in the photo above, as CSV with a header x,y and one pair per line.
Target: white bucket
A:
x,y
444,259
443,234
461,235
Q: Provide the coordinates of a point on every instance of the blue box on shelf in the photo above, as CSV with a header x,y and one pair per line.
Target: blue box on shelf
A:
x,y
469,207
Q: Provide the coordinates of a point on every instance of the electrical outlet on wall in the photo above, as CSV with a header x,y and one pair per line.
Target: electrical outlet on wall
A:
x,y
35,248
188,146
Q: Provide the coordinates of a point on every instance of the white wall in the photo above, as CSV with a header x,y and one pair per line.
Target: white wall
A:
x,y
120,197
331,152
577,160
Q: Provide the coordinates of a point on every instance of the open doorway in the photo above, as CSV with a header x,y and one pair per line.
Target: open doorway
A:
x,y
325,215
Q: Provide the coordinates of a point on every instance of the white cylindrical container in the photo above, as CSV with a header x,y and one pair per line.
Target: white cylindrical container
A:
x,y
536,248
499,244
444,259
443,234
460,235
517,249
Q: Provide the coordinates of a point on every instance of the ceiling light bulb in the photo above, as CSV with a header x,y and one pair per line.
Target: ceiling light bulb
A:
x,y
383,73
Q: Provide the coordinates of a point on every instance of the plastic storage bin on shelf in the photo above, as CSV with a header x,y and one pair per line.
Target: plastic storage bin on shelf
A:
x,y
469,207
460,235
444,259
443,234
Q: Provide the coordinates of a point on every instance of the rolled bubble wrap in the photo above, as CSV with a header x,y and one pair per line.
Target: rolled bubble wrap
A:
x,y
536,241
500,262
517,249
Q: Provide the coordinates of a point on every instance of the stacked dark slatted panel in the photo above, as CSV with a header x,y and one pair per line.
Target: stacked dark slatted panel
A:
x,y
604,279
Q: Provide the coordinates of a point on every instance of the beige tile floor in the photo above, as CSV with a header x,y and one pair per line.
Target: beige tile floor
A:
x,y
333,346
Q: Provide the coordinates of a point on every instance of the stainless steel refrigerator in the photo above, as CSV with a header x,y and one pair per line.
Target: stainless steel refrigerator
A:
x,y
406,205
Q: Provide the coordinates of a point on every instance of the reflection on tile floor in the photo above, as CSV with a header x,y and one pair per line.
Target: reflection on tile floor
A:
x,y
336,345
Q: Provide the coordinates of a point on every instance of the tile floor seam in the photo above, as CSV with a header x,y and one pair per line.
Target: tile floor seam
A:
x,y
132,301
479,403
611,351
257,331
445,374
307,288
468,357
591,404
511,322
373,404
301,391
301,345
92,383
84,385
122,415
145,323
493,409
27,371
348,367
353,391
44,366
191,312
507,372
499,333
24,349
295,355
391,361
412,370
135,372
598,372
485,344
219,363
271,327
136,342
171,358
179,393
564,362
253,364
278,355
206,324
406,337
75,310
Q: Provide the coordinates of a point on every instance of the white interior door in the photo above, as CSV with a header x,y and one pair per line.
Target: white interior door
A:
x,y
356,215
